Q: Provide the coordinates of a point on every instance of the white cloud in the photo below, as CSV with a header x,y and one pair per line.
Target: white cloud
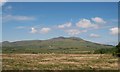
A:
x,y
17,18
45,30
33,30
98,20
2,2
68,24
61,26
114,31
85,23
75,31
94,35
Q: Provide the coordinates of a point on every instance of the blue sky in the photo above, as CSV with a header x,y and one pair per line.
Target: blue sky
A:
x,y
91,21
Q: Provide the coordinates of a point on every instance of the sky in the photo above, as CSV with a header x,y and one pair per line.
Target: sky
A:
x,y
92,21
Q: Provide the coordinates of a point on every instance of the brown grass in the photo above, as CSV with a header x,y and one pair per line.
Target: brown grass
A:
x,y
58,61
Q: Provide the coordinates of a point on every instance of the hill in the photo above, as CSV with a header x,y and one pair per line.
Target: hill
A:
x,y
54,45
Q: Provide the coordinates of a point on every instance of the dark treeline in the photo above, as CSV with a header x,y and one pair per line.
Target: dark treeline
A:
x,y
115,50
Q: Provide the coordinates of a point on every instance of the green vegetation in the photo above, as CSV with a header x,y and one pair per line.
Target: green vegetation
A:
x,y
58,54
106,51
118,50
71,45
115,51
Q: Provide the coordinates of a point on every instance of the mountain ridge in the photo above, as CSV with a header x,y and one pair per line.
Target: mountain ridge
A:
x,y
56,38
53,45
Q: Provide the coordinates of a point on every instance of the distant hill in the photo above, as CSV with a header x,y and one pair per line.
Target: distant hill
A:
x,y
54,45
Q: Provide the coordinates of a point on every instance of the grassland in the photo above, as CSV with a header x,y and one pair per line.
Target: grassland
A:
x,y
58,54
70,45
59,61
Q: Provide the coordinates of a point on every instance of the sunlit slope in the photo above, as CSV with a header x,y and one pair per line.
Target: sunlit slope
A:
x,y
54,45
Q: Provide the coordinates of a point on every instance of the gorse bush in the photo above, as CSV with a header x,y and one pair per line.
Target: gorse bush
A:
x,y
118,50
105,50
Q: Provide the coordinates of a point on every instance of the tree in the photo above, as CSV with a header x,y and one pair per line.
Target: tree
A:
x,y
118,50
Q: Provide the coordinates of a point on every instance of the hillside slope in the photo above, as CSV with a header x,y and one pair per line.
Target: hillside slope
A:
x,y
54,45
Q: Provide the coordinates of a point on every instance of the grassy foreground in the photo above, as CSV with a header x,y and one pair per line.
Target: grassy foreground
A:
x,y
59,61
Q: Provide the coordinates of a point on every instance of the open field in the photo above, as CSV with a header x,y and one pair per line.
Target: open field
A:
x,y
59,61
